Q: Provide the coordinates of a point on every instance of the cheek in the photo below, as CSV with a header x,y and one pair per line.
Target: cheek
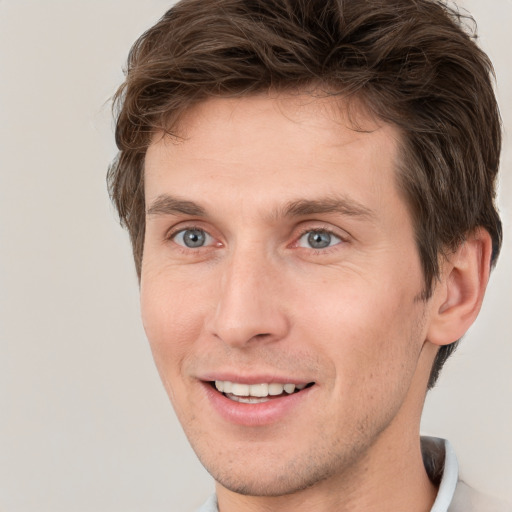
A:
x,y
370,331
171,320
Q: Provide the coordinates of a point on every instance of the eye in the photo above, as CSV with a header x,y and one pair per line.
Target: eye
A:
x,y
318,239
192,238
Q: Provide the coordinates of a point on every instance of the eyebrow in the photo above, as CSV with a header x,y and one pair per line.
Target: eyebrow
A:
x,y
168,205
342,205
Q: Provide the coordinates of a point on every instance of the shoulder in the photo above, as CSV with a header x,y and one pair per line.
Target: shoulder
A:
x,y
467,499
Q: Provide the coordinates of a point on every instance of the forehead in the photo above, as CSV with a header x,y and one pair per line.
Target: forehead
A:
x,y
332,120
282,147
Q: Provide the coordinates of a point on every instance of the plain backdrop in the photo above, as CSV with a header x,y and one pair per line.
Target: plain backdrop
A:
x,y
84,422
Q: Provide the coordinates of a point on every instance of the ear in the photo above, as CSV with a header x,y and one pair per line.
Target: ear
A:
x,y
459,293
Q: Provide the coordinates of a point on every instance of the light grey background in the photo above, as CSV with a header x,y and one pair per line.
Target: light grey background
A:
x,y
84,422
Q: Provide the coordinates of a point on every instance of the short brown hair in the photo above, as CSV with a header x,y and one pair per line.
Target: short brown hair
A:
x,y
413,63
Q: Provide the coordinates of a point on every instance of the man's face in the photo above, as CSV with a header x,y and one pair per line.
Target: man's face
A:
x,y
279,251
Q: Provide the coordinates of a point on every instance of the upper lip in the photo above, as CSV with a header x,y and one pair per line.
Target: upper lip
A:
x,y
267,378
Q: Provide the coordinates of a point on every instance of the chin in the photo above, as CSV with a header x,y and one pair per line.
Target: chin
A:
x,y
272,476
268,486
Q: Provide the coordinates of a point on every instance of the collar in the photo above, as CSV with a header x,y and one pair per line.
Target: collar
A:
x,y
442,468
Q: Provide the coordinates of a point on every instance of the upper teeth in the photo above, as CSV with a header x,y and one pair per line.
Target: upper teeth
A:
x,y
258,390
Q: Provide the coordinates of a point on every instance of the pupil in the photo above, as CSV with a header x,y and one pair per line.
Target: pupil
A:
x,y
319,240
194,238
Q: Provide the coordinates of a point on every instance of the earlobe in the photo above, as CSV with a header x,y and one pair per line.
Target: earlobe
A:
x,y
459,294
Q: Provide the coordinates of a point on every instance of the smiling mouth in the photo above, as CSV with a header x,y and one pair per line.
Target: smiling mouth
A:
x,y
257,393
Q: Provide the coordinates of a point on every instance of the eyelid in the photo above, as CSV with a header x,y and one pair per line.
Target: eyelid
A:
x,y
337,232
341,235
183,225
330,233
180,235
174,231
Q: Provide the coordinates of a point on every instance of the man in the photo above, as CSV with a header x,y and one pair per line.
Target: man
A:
x,y
309,189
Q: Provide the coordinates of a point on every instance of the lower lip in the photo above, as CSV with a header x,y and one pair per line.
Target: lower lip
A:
x,y
258,414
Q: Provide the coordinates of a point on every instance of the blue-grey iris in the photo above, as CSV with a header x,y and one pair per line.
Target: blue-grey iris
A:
x,y
319,239
194,238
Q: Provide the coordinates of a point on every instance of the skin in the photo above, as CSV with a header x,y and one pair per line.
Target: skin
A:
x,y
256,298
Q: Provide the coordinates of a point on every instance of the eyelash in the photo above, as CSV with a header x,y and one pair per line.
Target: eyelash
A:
x,y
173,232
171,235
325,250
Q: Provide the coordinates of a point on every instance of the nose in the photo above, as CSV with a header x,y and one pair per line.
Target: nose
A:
x,y
249,304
